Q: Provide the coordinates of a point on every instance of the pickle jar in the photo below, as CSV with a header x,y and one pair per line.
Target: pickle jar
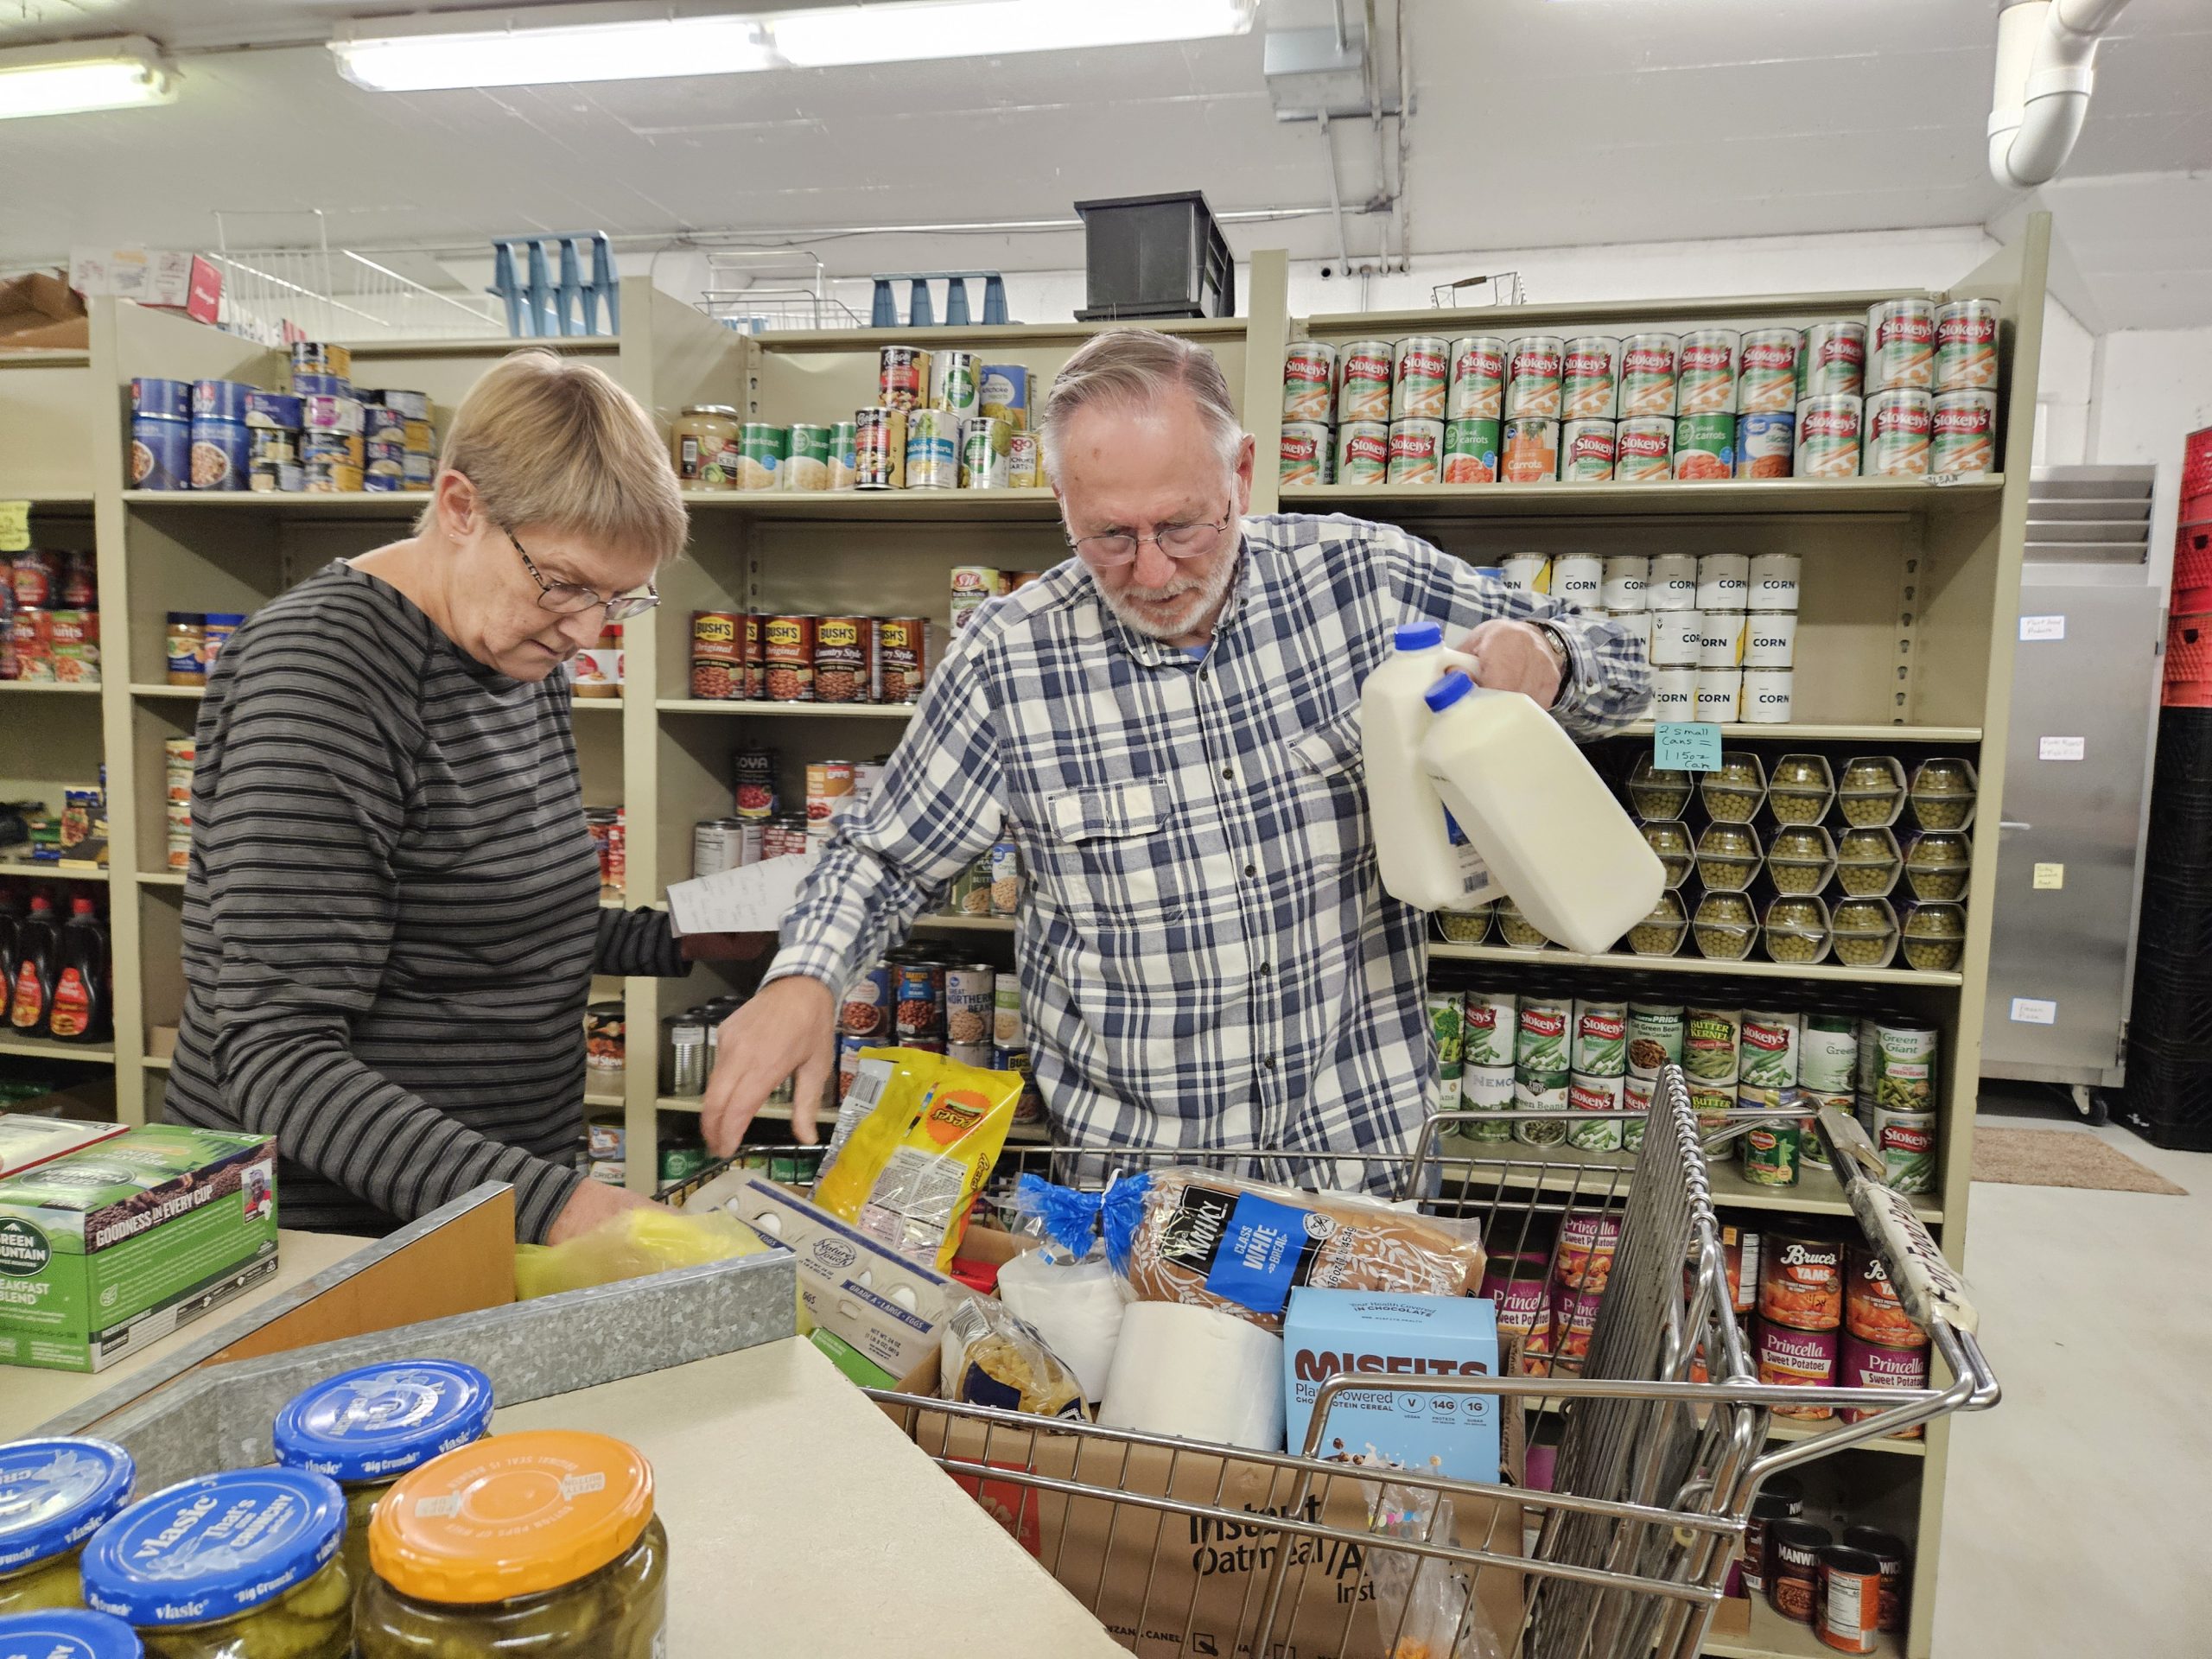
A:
x,y
242,1565
366,1428
67,1633
543,1543
54,1494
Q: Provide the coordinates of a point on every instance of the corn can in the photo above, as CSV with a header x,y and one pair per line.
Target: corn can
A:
x,y
1705,382
903,378
1528,450
1309,376
1585,451
1363,385
1647,374
1900,426
1590,379
1305,452
1024,463
933,449
1705,446
984,445
1963,438
806,466
1419,368
955,383
1643,448
1766,373
1003,394
1478,388
1533,369
1417,451
1901,345
1966,346
1362,452
1471,449
1828,437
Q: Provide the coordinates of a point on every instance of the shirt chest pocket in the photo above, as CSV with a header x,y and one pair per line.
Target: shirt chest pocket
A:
x,y
1329,793
1108,856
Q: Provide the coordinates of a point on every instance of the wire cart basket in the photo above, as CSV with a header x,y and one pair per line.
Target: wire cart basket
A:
x,y
1183,1547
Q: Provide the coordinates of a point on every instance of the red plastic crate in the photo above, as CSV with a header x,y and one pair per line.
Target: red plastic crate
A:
x,y
2188,660
2196,463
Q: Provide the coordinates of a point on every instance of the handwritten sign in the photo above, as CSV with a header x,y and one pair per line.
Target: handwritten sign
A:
x,y
14,526
2043,627
1686,746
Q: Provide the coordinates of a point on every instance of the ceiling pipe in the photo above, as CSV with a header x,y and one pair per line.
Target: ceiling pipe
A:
x,y
2046,68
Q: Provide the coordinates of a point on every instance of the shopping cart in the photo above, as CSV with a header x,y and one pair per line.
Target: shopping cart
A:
x,y
1184,1547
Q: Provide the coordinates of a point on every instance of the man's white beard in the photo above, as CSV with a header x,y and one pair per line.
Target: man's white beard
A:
x,y
1199,597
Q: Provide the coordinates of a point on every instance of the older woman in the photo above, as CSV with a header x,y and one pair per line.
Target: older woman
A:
x,y
392,915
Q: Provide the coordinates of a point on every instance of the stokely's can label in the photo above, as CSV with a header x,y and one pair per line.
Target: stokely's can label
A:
x,y
1765,444
1705,381
1420,369
1962,437
1901,345
1362,386
1585,451
1704,448
1643,448
1362,452
1648,365
1966,346
1833,362
1767,1051
1309,378
1766,378
1478,390
1595,1094
1906,1142
1488,1024
1542,1040
1471,450
1417,451
1600,1039
1828,437
1900,426
1533,370
1589,387
1528,450
1306,457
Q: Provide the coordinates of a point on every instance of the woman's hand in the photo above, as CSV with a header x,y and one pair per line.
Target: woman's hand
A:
x,y
592,1204
791,1026
1517,656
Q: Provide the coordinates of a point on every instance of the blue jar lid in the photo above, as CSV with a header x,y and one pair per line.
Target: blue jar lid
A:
x,y
55,1493
214,1546
378,1422
1417,636
227,619
67,1633
1447,691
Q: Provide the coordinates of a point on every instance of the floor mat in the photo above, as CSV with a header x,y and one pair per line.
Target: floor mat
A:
x,y
2062,1157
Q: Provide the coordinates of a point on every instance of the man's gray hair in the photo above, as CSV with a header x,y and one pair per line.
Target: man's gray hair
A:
x,y
1129,368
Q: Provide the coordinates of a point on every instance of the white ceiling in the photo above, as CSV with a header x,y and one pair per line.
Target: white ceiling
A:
x,y
1538,122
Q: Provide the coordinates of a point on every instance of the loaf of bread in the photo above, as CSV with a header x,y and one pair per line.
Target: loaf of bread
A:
x,y
1213,1241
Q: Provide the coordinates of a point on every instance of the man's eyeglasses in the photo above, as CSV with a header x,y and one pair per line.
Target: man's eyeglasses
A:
x,y
1176,541
571,599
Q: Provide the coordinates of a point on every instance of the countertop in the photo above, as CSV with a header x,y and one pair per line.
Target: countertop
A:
x,y
29,1396
798,1515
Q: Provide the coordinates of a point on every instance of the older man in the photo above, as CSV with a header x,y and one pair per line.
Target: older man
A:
x,y
1168,725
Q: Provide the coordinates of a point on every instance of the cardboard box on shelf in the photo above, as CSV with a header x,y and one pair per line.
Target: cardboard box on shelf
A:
x,y
115,1245
28,1139
39,312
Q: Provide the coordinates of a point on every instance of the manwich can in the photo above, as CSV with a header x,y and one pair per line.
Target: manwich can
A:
x,y
1420,369
1647,374
1363,385
1478,389
1309,378
1362,452
1533,369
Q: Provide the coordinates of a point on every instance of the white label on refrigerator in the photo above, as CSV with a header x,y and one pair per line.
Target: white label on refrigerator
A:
x,y
2034,1011
2049,877
2043,627
2061,748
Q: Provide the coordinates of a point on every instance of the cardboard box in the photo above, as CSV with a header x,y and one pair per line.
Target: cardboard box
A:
x,y
1395,1339
889,1309
27,1139
112,1247
39,312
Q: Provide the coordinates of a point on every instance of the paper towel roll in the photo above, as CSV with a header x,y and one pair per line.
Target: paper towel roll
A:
x,y
1075,1305
1197,1373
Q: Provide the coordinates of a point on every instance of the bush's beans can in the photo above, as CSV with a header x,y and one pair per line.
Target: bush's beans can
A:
x,y
1595,1094
1306,454
840,659
1471,449
1771,1154
1643,449
1828,436
754,773
1625,586
1024,461
1767,1050
918,993
1966,346
843,443
787,653
1704,447
1648,367
1478,390
1417,451
1579,578
1363,385
717,655
1964,435
1906,1143
933,449
985,441
1600,1039
763,448
1589,386
1834,361
1765,444
1896,1571
1309,378
1901,345
1362,452
756,657
880,447
1488,1026
1766,375
807,466
1705,374
1900,426
1420,369
955,383
1585,451
1528,449
1533,368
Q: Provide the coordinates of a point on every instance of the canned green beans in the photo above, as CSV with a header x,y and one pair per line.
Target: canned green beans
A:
x,y
1767,1051
1488,1027
1902,1073
1600,1047
1906,1144
1543,1040
1595,1094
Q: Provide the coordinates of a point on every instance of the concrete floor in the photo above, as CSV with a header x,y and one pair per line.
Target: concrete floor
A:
x,y
2078,1516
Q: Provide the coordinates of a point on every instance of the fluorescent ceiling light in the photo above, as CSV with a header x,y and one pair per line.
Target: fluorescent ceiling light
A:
x,y
519,52
112,74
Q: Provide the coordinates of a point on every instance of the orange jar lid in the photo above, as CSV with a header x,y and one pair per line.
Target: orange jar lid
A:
x,y
511,1516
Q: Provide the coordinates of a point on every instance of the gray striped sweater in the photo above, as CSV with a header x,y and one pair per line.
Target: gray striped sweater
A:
x,y
392,915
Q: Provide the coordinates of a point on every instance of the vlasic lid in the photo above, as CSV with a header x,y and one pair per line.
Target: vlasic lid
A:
x,y
510,1516
67,1633
214,1546
378,1421
57,1492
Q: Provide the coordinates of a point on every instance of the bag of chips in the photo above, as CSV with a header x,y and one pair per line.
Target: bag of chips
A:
x,y
988,1358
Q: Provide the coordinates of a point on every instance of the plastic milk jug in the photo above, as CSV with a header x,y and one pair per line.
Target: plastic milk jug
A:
x,y
1539,817
1423,857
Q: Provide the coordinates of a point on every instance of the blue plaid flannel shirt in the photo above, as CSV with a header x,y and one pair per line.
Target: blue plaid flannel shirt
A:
x,y
1207,957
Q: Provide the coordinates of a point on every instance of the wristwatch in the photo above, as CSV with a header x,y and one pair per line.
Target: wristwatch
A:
x,y
1561,655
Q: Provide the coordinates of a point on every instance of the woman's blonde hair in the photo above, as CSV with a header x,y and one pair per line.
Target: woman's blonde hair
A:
x,y
549,440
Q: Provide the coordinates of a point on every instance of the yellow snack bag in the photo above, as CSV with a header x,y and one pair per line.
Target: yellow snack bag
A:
x,y
915,1141
631,1244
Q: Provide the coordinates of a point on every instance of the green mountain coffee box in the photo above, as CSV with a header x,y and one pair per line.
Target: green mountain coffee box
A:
x,y
114,1246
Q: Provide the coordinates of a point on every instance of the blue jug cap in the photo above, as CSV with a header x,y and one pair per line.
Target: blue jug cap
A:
x,y
1447,691
1417,636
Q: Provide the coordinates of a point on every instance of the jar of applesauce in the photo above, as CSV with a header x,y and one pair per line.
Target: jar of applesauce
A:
x,y
54,1494
543,1543
366,1428
242,1565
703,443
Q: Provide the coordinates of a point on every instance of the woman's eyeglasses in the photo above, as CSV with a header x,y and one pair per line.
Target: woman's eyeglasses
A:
x,y
1176,541
571,599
